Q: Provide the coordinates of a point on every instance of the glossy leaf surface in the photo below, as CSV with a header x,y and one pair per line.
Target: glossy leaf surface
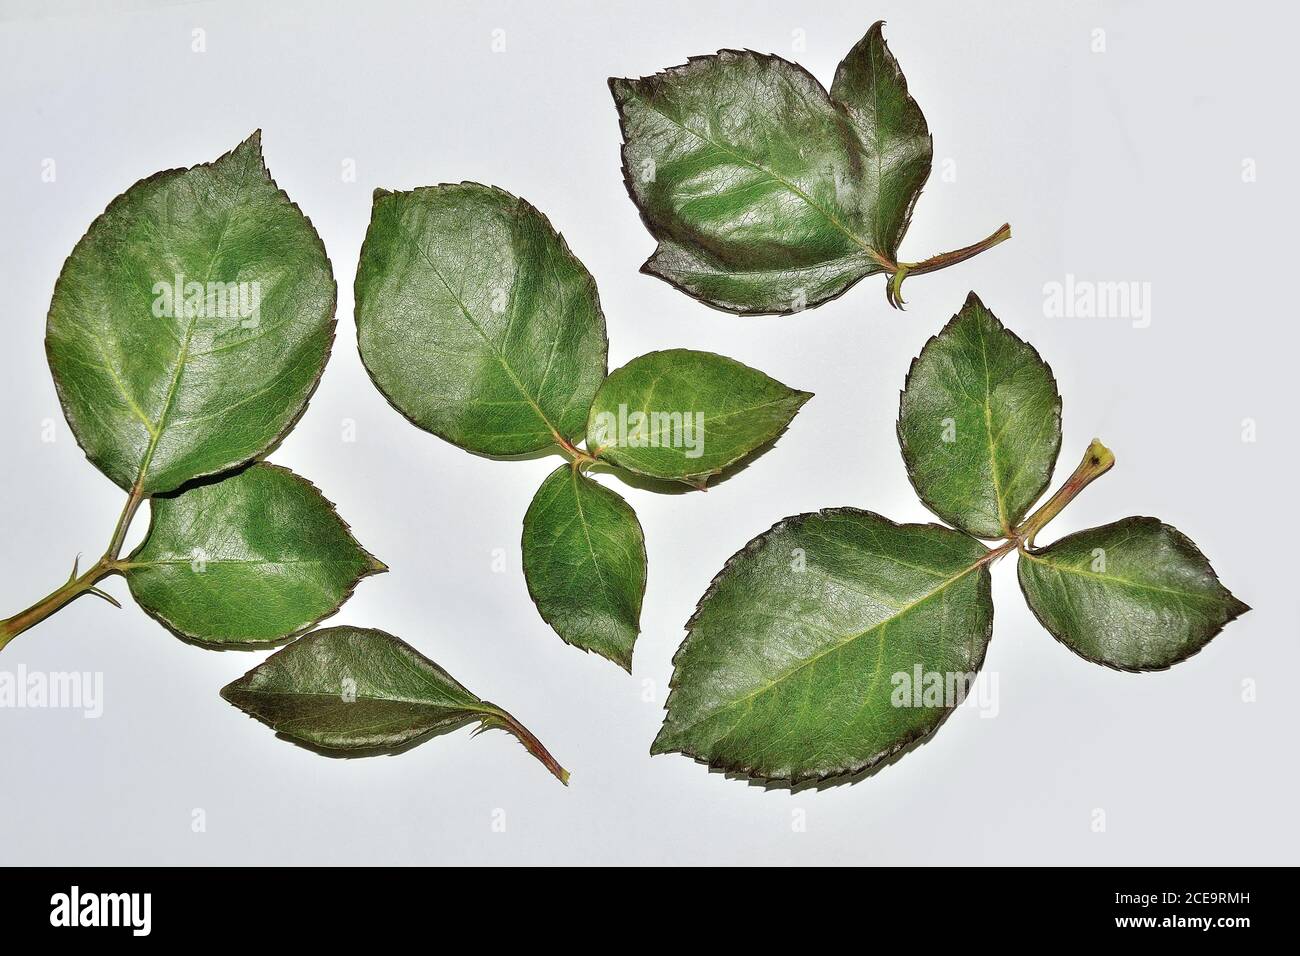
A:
x,y
980,424
475,319
191,323
353,690
253,558
765,193
585,563
687,415
792,665
1135,594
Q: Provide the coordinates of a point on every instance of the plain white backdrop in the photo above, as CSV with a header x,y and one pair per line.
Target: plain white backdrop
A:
x,y
1132,163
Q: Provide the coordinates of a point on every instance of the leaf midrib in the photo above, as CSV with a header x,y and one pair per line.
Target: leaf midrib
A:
x,y
1123,582
492,346
334,696
900,612
586,534
182,355
776,177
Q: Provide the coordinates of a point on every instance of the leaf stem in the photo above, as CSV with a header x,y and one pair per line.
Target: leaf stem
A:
x,y
497,717
77,585
893,291
1097,460
55,600
133,502
578,456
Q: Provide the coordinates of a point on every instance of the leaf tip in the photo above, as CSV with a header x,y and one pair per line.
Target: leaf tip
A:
x,y
660,745
253,141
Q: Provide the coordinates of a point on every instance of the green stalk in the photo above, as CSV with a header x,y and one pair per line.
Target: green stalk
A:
x,y
77,585
1097,460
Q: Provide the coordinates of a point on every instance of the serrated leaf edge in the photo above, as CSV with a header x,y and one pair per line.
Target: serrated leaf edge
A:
x,y
849,775
373,566
1236,610
626,664
381,195
699,480
974,300
331,323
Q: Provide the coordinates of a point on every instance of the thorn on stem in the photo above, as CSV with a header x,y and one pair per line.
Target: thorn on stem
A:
x,y
106,596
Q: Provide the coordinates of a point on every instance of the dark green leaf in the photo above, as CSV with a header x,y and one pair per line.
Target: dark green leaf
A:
x,y
358,691
585,562
765,193
687,415
980,424
871,89
160,388
1136,594
476,321
254,558
791,667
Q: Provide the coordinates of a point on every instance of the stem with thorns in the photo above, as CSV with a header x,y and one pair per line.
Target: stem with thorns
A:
x,y
77,585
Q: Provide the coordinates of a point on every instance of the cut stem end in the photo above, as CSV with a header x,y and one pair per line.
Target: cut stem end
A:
x,y
1097,460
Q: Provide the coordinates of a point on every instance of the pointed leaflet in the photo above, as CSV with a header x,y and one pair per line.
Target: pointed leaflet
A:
x,y
254,558
1136,595
791,667
686,415
766,194
476,321
191,323
893,136
352,690
979,424
585,562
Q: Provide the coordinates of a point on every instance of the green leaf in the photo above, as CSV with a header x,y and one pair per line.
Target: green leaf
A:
x,y
476,321
765,193
1136,595
254,558
792,665
358,691
891,131
980,424
687,415
160,388
585,563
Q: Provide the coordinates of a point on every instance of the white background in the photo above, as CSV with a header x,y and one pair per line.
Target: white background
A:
x,y
1117,165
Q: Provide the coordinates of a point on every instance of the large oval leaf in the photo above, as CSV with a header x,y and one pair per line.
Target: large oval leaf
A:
x,y
979,424
251,559
686,415
792,662
191,323
1136,594
476,321
360,691
585,563
765,193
